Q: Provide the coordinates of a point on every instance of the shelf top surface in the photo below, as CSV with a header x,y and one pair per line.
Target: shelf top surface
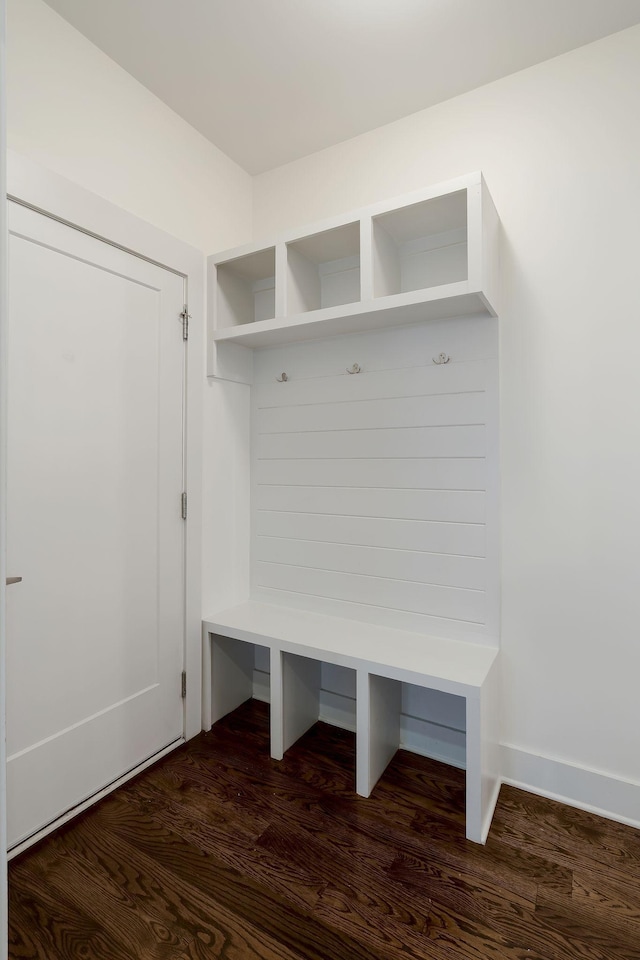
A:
x,y
456,662
358,317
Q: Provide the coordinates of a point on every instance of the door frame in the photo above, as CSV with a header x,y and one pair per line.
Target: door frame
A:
x,y
38,188
4,239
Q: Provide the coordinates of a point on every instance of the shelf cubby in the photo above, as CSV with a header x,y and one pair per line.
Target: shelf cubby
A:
x,y
384,660
323,270
430,255
246,289
232,674
420,246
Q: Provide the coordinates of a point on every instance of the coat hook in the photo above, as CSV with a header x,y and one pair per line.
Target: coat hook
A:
x,y
442,358
356,368
282,378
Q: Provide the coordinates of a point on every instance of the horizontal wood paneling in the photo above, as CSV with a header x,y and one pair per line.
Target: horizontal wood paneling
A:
x,y
458,441
461,539
372,495
397,619
435,474
400,412
400,348
452,506
439,601
435,706
371,561
417,381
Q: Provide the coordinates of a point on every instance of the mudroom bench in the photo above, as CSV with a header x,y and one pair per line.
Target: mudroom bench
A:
x,y
383,659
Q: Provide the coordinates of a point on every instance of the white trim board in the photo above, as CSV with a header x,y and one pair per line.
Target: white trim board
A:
x,y
585,788
3,448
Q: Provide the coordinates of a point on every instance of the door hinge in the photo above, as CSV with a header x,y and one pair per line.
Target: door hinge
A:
x,y
185,316
183,504
183,684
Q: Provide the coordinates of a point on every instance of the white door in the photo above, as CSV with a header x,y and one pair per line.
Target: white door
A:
x,y
95,630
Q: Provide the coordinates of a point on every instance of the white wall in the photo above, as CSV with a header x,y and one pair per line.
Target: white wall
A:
x,y
76,112
559,145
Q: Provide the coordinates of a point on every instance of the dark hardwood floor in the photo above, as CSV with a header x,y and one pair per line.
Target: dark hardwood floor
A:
x,y
218,851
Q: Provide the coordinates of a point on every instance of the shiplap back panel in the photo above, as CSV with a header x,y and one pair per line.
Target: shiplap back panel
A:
x,y
375,495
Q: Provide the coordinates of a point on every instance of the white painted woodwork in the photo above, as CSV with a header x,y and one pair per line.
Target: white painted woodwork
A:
x,y
411,566
4,323
458,474
323,269
421,245
446,603
431,441
232,665
246,288
434,740
461,539
447,409
300,697
373,495
96,629
451,666
380,352
384,659
378,727
426,256
445,506
418,379
483,753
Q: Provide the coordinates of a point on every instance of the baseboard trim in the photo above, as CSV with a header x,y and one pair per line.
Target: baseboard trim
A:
x,y
582,787
433,740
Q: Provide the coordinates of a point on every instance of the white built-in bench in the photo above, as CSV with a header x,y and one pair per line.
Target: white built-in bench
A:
x,y
383,658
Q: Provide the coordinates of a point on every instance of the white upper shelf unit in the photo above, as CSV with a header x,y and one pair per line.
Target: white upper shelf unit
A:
x,y
428,255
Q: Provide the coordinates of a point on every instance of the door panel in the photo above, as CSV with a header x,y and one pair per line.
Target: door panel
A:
x,y
95,631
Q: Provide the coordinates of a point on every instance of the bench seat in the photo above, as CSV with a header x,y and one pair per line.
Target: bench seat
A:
x,y
383,658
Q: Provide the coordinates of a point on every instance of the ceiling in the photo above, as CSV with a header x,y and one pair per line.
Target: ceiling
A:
x,y
269,81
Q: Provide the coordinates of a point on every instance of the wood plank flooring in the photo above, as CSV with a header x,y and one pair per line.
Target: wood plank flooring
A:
x,y
220,852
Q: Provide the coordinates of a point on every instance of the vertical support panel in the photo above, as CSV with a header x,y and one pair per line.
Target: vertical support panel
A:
x,y
277,705
474,769
206,678
3,479
490,252
474,236
490,733
300,697
379,704
231,675
366,259
303,289
483,756
281,280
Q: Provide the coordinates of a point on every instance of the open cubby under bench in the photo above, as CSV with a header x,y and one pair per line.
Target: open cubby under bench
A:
x,y
383,658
